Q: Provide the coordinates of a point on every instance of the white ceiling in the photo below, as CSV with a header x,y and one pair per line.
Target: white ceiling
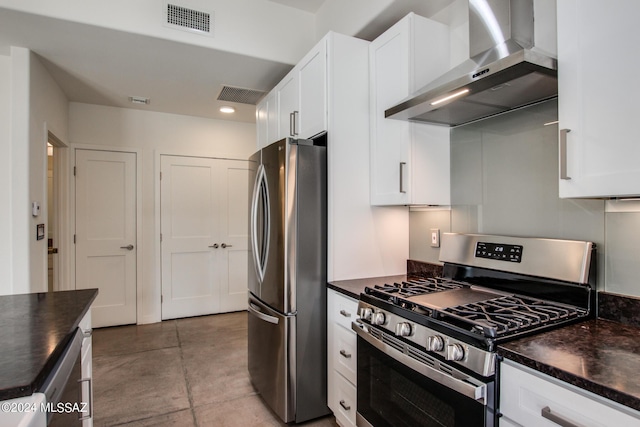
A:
x,y
105,66
306,5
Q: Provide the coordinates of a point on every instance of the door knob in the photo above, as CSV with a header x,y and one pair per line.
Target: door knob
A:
x,y
128,247
224,245
215,245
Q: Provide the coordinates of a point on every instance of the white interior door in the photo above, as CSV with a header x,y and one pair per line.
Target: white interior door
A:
x,y
234,234
106,247
204,235
188,214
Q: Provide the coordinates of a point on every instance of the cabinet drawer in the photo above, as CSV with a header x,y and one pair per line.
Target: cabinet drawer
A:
x,y
344,310
345,355
531,398
345,401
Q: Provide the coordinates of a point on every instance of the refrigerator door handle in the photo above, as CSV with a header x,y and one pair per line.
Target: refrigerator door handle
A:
x,y
255,310
260,211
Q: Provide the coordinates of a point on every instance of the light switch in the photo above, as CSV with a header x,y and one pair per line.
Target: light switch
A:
x,y
435,237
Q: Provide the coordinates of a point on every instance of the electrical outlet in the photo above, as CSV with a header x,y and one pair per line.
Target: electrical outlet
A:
x,y
435,237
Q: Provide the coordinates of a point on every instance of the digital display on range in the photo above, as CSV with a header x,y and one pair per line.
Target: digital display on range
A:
x,y
499,251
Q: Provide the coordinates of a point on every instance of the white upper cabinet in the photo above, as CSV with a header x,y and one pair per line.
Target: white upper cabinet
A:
x,y
267,120
312,74
297,106
409,161
597,99
262,122
288,94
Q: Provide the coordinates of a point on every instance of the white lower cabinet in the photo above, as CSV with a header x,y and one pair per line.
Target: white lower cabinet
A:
x,y
531,398
86,355
341,357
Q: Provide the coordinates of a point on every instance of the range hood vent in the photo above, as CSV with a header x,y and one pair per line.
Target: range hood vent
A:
x,y
504,71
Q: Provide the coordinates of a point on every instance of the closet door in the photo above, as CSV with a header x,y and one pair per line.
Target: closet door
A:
x,y
204,235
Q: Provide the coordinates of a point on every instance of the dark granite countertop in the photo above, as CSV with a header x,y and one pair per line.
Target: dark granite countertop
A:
x,y
415,270
353,288
601,356
34,330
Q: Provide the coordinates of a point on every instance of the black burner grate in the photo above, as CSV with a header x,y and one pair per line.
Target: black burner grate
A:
x,y
506,315
418,287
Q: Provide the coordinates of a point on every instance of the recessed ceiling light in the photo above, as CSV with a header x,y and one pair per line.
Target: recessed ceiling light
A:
x,y
227,110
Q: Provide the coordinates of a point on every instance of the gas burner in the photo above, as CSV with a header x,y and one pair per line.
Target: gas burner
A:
x,y
418,287
509,314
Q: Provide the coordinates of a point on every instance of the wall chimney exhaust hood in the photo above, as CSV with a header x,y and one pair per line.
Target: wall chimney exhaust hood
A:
x,y
504,71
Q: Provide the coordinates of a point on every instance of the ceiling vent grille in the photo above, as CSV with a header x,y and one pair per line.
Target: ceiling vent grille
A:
x,y
183,18
240,95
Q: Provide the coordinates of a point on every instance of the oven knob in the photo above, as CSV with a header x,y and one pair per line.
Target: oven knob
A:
x,y
455,352
365,313
378,318
403,329
435,343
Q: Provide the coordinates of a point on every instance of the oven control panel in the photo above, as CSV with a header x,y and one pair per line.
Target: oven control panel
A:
x,y
499,251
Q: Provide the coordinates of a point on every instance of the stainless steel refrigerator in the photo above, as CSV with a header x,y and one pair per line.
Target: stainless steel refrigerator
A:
x,y
287,278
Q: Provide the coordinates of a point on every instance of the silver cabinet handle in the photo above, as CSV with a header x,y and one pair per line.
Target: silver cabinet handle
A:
x,y
563,154
128,247
557,419
402,165
345,354
345,406
215,246
345,313
292,123
224,245
90,403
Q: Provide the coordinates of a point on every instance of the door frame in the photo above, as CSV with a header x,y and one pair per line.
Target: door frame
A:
x,y
138,207
60,207
155,297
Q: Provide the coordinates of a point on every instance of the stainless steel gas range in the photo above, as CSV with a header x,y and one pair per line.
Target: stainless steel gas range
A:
x,y
427,348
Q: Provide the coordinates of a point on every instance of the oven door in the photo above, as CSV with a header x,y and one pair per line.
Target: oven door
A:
x,y
390,393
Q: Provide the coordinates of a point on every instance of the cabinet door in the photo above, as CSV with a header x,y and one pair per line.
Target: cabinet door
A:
x,y
288,105
312,73
390,139
531,398
272,118
262,123
341,391
409,161
597,98
87,368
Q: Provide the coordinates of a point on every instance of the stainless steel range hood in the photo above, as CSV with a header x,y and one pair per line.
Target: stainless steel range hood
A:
x,y
505,70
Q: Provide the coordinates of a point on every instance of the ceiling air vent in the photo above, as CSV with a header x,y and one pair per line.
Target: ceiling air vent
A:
x,y
183,18
240,95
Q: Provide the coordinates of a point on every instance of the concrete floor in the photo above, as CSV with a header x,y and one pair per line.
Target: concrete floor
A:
x,y
185,372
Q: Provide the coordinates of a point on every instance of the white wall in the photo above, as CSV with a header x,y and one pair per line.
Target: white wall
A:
x,y
19,167
5,176
48,112
153,134
347,17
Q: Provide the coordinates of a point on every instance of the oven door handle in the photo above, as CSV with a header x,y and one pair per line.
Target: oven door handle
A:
x,y
476,392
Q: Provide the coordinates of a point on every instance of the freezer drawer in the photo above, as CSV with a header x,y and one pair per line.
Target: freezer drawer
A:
x,y
271,337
